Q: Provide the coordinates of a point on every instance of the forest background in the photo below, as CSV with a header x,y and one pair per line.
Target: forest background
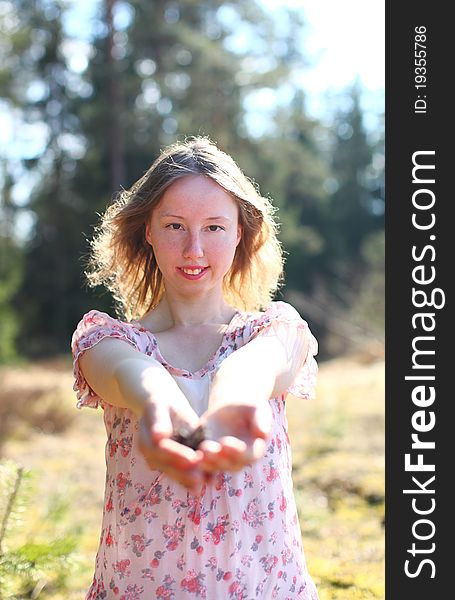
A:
x,y
90,113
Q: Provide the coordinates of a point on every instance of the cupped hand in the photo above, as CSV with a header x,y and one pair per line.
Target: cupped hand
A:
x,y
161,452
236,435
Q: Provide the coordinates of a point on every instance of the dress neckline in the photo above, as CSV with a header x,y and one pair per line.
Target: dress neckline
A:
x,y
185,372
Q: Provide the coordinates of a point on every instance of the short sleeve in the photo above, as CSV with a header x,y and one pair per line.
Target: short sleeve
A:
x,y
282,320
92,328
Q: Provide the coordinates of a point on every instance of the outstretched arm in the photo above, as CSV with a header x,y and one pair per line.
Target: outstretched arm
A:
x,y
124,377
238,420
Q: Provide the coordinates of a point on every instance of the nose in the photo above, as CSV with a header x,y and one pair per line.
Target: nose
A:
x,y
193,246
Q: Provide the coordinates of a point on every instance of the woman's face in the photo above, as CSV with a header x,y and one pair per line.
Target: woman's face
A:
x,y
194,231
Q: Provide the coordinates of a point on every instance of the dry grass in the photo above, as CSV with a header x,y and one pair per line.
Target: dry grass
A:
x,y
338,450
338,458
66,459
30,399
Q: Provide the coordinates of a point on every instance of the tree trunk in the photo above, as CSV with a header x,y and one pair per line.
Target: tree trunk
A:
x,y
114,133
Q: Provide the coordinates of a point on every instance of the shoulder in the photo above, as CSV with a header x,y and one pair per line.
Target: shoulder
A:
x,y
280,310
96,325
275,312
96,319
278,318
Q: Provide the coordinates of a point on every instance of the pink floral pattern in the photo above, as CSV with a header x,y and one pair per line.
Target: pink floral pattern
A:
x,y
240,538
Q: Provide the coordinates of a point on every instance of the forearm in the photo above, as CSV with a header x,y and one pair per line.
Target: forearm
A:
x,y
140,382
239,418
126,378
254,373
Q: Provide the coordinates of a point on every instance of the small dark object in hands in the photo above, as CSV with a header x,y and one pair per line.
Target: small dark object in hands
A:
x,y
192,439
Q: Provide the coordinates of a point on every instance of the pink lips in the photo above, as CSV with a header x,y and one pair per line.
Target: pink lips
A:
x,y
192,276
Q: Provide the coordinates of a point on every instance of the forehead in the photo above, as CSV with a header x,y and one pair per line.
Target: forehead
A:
x,y
193,194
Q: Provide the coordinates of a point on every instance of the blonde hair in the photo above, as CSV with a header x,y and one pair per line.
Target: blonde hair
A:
x,y
123,261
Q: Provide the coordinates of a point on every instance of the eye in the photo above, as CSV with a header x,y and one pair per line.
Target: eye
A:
x,y
216,228
174,226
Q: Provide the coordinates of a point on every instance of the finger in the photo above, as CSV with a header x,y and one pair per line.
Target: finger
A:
x,y
174,451
232,445
215,458
170,454
258,449
210,450
230,456
192,479
262,422
241,453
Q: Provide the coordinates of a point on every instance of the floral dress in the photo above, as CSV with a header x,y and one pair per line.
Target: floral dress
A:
x,y
240,537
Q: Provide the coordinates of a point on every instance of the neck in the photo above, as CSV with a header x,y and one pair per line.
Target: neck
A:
x,y
188,312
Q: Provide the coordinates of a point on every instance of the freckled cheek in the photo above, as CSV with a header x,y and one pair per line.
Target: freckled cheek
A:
x,y
221,246
166,251
223,253
163,244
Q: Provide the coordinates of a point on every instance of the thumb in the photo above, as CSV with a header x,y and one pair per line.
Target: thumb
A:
x,y
262,422
158,422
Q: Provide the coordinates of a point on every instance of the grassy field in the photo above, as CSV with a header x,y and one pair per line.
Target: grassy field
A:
x,y
52,533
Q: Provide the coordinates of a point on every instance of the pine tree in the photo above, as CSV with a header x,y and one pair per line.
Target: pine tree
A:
x,y
158,71
357,220
42,88
352,207
29,565
11,270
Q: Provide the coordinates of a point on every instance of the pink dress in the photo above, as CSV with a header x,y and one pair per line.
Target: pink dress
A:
x,y
240,538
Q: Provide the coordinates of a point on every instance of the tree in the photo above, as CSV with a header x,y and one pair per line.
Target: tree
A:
x,y
155,72
355,204
176,75
291,168
10,270
356,221
41,88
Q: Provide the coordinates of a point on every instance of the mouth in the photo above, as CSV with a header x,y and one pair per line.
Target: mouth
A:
x,y
192,272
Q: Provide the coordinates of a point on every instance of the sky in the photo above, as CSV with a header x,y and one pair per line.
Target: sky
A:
x,y
344,41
